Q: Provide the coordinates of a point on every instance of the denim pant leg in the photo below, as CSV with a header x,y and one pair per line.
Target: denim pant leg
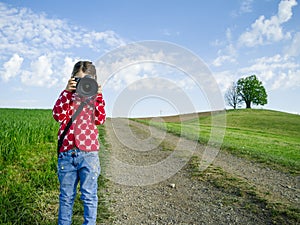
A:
x,y
68,179
89,172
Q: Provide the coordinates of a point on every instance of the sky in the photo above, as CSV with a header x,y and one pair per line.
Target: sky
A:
x,y
152,57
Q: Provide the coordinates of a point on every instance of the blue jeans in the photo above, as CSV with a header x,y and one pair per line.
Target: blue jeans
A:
x,y
78,166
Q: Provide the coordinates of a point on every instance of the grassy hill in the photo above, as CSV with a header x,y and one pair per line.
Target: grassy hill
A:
x,y
267,136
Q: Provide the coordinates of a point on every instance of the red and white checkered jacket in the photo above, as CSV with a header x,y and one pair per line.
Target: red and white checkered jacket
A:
x,y
83,132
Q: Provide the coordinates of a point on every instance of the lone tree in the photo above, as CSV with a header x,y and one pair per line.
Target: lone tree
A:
x,y
251,90
232,97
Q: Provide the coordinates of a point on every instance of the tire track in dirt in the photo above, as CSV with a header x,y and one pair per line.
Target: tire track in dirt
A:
x,y
180,199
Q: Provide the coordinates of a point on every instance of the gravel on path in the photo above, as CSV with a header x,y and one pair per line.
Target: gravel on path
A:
x,y
143,190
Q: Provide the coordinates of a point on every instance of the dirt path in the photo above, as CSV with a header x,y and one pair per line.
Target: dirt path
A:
x,y
149,183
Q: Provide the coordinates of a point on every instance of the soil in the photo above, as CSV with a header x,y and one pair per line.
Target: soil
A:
x,y
151,183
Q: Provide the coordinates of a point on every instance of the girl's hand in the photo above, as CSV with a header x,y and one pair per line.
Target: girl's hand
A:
x,y
99,89
71,86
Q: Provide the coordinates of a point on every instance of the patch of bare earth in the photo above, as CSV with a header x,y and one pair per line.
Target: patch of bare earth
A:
x,y
218,195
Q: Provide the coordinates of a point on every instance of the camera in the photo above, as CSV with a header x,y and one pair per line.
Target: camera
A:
x,y
86,86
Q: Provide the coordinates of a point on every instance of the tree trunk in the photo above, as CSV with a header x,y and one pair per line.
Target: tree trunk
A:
x,y
248,105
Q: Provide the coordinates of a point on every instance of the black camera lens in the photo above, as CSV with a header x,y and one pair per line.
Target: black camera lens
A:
x,y
86,86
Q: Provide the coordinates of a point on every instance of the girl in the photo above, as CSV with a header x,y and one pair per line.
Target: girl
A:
x,y
78,159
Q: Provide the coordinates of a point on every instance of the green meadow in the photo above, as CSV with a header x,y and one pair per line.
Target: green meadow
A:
x,y
28,160
265,136
28,169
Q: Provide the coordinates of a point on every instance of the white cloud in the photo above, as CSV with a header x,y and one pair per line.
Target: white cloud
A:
x,y
285,10
66,70
147,76
285,80
246,6
277,72
40,73
294,48
128,64
225,79
227,54
11,67
168,32
94,39
38,31
43,43
130,74
265,30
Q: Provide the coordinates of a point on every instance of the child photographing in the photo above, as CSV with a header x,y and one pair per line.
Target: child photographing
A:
x,y
78,144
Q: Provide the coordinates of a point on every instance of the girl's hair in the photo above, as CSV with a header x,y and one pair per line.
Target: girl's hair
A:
x,y
86,67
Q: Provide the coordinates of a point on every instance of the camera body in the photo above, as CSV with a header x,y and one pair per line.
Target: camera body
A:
x,y
86,86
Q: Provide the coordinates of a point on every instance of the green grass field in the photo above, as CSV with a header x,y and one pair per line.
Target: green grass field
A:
x,y
266,136
28,161
28,165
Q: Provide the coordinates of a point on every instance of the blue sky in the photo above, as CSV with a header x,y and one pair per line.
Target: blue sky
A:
x,y
41,40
